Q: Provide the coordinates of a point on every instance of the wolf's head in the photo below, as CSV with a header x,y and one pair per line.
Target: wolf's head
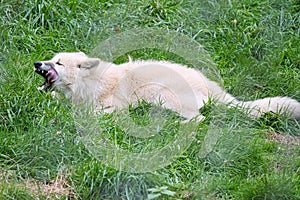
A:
x,y
62,70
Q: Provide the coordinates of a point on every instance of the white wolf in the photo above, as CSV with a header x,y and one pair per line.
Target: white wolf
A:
x,y
110,86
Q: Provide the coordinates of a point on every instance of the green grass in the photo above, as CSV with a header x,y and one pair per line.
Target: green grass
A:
x,y
255,45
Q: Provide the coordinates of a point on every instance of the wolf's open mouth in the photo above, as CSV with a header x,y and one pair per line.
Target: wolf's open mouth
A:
x,y
48,72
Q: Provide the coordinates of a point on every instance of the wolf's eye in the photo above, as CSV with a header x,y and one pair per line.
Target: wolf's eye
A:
x,y
58,63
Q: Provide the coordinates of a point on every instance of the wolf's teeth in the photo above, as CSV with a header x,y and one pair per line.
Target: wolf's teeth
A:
x,y
42,71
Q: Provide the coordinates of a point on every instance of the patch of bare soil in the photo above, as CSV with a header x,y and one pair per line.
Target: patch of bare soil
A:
x,y
284,139
54,189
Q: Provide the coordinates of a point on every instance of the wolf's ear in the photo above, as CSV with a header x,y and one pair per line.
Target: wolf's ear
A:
x,y
90,63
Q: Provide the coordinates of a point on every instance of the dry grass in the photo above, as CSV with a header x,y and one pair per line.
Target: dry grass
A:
x,y
284,139
58,188
55,189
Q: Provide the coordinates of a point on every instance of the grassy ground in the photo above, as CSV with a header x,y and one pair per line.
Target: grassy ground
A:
x,y
255,45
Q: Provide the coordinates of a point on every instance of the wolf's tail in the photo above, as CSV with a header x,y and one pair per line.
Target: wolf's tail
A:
x,y
281,105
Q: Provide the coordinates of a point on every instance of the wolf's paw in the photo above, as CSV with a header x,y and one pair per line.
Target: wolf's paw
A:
x,y
197,119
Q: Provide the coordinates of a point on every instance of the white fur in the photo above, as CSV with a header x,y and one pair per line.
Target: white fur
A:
x,y
182,89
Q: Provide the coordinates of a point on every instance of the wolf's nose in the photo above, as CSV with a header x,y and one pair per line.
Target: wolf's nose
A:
x,y
37,64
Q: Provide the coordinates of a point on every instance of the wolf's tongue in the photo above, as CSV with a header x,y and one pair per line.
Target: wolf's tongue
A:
x,y
51,75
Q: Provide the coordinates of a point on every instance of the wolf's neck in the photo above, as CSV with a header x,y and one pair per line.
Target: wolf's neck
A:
x,y
95,84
